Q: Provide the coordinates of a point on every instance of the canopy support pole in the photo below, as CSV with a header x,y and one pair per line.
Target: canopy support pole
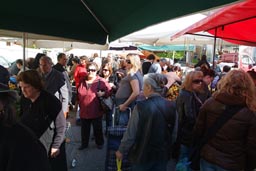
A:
x,y
214,48
24,49
95,17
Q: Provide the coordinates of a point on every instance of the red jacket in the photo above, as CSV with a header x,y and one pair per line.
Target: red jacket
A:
x,y
87,98
79,74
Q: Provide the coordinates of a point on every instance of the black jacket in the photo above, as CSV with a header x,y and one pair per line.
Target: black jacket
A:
x,y
188,108
157,118
21,151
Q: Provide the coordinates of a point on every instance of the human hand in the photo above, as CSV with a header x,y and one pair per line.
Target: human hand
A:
x,y
55,152
122,107
100,93
119,155
111,84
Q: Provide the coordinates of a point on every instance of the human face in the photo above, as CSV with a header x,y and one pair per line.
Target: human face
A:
x,y
207,79
128,63
105,71
45,66
28,91
92,72
83,61
146,90
63,60
197,84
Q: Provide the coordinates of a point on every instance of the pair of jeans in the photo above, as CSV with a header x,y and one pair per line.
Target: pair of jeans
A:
x,y
151,166
122,117
183,163
207,166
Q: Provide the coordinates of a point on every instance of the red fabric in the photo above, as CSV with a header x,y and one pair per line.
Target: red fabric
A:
x,y
237,21
79,74
88,101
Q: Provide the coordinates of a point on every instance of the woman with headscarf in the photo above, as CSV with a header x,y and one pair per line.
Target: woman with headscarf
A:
x,y
151,129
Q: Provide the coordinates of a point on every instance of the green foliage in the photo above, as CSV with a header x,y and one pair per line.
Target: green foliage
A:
x,y
177,54
194,61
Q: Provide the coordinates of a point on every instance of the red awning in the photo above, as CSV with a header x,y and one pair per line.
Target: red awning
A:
x,y
235,23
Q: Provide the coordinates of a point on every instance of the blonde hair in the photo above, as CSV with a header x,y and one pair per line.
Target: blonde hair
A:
x,y
135,61
187,83
238,83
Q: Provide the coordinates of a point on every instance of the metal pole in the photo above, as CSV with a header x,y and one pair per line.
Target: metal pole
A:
x,y
214,48
24,50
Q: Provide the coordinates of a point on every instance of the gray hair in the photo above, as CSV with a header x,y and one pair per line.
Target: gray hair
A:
x,y
156,81
47,59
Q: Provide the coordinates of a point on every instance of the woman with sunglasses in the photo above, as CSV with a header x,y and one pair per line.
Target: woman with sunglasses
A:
x,y
129,87
107,73
89,91
188,103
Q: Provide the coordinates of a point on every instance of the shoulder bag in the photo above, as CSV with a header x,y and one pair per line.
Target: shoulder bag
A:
x,y
195,153
106,103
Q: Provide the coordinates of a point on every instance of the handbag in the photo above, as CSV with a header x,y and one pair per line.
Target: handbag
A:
x,y
195,153
106,103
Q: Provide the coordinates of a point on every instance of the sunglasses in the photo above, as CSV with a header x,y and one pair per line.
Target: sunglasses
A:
x,y
91,70
105,70
197,81
128,61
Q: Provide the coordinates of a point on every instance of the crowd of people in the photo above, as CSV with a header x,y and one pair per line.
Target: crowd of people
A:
x,y
165,114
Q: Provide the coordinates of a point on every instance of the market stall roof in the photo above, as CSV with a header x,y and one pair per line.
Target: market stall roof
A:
x,y
159,34
167,48
44,41
235,23
94,20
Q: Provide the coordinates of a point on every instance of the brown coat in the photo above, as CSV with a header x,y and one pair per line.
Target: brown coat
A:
x,y
234,145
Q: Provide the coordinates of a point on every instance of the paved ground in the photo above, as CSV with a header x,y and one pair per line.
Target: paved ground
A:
x,y
90,159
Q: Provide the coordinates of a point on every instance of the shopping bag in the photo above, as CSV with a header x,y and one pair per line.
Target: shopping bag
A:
x,y
119,164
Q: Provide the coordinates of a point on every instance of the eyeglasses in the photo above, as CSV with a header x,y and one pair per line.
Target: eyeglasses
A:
x,y
197,81
105,70
128,61
91,70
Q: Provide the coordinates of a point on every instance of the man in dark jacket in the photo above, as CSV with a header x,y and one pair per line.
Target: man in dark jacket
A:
x,y
60,66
